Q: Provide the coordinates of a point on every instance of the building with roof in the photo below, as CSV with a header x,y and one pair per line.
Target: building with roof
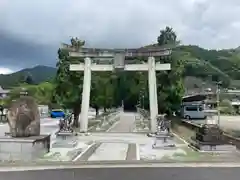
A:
x,y
3,92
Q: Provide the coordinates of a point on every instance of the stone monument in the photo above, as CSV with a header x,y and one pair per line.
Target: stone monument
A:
x,y
24,118
209,137
24,141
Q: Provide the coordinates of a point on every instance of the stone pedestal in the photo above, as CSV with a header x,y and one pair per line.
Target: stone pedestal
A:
x,y
210,138
25,149
65,140
163,139
163,142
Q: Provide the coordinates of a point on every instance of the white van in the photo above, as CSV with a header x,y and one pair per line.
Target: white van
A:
x,y
193,112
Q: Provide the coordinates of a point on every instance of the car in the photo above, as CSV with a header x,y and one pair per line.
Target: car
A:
x,y
55,113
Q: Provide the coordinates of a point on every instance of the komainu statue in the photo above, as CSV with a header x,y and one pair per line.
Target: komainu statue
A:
x,y
24,118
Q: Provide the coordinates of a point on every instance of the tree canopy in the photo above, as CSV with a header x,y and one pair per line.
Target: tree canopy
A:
x,y
170,83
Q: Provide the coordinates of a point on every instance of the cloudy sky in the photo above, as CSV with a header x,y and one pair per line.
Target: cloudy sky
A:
x,y
31,30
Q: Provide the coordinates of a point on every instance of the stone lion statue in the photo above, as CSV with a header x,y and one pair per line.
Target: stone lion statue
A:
x,y
24,118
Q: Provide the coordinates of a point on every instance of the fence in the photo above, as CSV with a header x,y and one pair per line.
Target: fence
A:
x,y
143,113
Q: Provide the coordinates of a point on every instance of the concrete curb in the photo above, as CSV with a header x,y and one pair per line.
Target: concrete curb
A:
x,y
114,124
138,152
88,152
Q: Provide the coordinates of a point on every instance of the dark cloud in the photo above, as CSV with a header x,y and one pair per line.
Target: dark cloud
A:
x,y
31,31
16,52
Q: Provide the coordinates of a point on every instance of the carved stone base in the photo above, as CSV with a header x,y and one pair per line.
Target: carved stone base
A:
x,y
65,134
25,149
163,143
65,144
216,147
164,146
65,140
160,134
209,137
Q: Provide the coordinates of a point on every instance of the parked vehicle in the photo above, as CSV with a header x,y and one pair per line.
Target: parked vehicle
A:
x,y
193,112
55,113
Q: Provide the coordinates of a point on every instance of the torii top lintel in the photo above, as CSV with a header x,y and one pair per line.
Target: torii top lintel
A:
x,y
109,53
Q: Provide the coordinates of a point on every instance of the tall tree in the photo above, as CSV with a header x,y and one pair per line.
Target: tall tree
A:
x,y
133,86
103,90
29,79
167,37
68,84
170,83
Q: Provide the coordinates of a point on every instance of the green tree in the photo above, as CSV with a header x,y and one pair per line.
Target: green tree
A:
x,y
103,90
167,37
29,79
68,84
170,83
43,93
77,43
21,78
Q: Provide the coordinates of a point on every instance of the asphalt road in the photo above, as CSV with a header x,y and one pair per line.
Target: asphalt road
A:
x,y
140,173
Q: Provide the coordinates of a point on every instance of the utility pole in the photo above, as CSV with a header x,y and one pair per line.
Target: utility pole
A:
x,y
143,100
218,101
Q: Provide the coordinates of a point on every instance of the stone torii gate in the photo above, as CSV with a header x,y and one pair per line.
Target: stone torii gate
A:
x,y
118,55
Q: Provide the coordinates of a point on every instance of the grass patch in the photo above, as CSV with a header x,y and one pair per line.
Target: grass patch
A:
x,y
181,130
192,156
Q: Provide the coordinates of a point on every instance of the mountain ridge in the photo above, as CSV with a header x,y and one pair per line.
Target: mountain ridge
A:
x,y
208,65
39,73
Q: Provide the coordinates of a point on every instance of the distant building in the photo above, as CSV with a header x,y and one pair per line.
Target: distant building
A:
x,y
4,92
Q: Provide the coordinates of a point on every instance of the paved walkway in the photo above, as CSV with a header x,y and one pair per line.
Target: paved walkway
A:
x,y
110,151
115,150
125,124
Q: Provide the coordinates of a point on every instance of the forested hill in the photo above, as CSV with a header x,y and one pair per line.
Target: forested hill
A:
x,y
38,74
223,65
205,65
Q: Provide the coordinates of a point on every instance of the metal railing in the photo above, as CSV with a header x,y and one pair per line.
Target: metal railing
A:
x,y
142,119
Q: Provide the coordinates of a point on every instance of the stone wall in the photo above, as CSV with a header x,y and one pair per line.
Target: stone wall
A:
x,y
24,149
